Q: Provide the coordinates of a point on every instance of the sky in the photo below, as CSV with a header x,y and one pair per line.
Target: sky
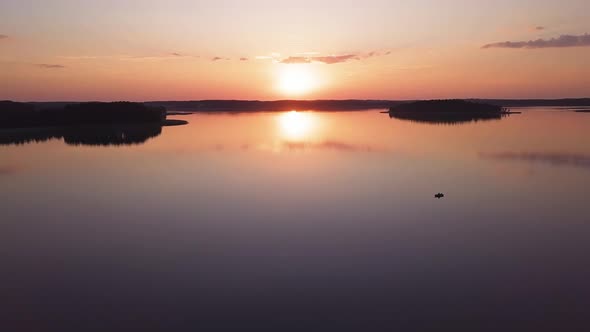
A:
x,y
145,50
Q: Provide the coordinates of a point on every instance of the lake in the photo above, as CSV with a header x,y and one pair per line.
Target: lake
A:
x,y
299,220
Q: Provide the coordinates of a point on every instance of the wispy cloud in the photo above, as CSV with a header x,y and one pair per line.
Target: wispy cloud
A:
x,y
49,66
127,57
304,57
331,59
374,54
539,28
3,36
274,56
84,57
556,159
296,59
561,41
169,56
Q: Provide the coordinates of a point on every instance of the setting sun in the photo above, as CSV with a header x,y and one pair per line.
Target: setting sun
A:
x,y
310,165
297,79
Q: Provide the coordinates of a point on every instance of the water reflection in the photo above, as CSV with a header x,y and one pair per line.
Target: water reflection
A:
x,y
190,227
328,145
555,159
8,169
127,134
307,131
296,126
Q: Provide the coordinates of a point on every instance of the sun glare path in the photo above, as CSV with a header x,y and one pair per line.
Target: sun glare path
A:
x,y
296,125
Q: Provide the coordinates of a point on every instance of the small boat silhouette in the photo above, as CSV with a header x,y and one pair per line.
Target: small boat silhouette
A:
x,y
439,195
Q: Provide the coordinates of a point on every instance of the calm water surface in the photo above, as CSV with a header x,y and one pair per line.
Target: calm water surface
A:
x,y
300,220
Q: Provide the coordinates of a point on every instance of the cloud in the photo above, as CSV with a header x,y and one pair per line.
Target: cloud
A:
x,y
127,57
49,66
3,36
331,59
561,41
296,59
243,59
555,159
539,28
375,54
218,58
169,56
84,57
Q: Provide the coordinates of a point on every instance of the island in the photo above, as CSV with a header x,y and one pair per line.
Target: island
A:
x,y
447,111
92,123
26,115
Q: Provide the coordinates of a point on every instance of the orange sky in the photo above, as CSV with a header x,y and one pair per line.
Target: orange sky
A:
x,y
261,49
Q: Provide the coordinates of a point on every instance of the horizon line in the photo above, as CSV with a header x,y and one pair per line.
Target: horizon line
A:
x,y
288,100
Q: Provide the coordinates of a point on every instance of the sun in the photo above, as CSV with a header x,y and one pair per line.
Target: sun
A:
x,y
297,79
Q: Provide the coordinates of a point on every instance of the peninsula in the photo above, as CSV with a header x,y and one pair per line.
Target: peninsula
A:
x,y
27,115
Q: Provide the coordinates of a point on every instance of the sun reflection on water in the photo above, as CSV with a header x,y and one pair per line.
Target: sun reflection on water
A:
x,y
297,126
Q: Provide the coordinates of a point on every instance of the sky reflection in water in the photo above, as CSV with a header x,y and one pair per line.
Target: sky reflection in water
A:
x,y
234,216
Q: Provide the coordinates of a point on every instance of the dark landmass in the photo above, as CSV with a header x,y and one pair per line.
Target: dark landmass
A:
x,y
448,106
27,115
447,111
536,102
97,124
338,105
173,123
582,111
272,106
101,135
179,113
183,107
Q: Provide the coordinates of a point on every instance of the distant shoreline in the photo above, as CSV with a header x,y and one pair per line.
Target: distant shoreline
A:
x,y
204,106
251,106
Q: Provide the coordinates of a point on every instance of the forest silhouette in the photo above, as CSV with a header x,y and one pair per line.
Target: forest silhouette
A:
x,y
447,111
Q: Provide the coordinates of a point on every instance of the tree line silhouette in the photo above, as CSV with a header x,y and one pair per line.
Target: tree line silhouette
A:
x,y
453,111
23,115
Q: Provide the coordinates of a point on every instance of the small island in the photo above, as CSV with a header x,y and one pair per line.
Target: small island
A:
x,y
447,111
